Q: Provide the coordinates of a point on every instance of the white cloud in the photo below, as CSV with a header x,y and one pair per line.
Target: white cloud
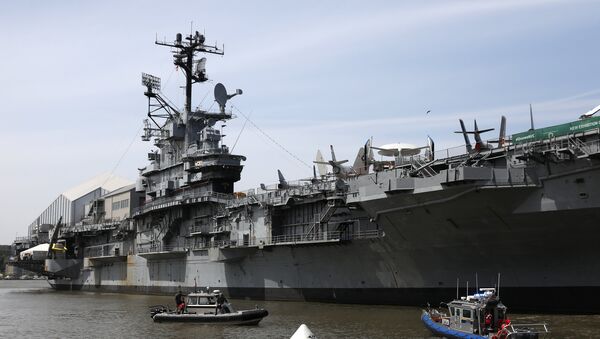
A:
x,y
318,39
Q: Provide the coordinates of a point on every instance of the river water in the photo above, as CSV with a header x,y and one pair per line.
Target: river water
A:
x,y
31,309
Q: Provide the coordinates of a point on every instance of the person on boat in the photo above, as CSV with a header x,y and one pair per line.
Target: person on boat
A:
x,y
488,318
488,322
180,302
221,301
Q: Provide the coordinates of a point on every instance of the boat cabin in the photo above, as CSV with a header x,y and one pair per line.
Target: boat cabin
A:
x,y
202,300
481,313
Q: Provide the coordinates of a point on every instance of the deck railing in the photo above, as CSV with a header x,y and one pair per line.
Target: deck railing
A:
x,y
82,228
530,329
107,250
156,248
214,244
300,238
178,199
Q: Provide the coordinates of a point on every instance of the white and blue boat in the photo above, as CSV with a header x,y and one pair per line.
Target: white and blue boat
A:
x,y
478,316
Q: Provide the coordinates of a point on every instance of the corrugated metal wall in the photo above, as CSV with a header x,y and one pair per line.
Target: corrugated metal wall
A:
x,y
70,211
61,206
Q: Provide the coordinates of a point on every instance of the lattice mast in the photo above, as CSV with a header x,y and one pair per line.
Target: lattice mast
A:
x,y
183,55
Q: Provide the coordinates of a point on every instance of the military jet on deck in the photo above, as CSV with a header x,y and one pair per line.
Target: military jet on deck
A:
x,y
361,163
480,145
405,150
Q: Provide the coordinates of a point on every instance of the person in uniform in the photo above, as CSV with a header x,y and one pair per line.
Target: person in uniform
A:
x,y
221,300
180,302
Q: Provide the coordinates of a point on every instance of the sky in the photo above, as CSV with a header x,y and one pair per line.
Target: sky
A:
x,y
313,73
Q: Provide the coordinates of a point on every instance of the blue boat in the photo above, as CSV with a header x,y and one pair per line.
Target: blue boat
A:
x,y
478,316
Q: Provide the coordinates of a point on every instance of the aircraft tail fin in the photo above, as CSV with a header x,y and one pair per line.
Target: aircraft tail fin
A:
x,y
464,133
502,135
369,159
321,164
431,150
282,182
334,162
362,161
477,133
332,154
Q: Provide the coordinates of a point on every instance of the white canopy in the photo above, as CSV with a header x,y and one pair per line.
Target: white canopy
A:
x,y
38,248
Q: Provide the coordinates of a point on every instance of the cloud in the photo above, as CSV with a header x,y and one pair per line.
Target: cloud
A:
x,y
358,29
549,109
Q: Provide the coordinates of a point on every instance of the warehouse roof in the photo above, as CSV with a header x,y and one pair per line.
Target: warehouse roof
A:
x,y
107,181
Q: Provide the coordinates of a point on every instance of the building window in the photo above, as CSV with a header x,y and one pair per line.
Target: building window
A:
x,y
120,204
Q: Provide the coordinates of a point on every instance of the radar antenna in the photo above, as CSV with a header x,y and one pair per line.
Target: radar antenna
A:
x,y
152,84
184,50
221,95
183,57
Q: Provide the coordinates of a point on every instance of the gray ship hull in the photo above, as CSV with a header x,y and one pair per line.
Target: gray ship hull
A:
x,y
417,261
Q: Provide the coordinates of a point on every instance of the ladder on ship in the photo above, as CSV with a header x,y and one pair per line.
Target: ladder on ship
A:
x,y
321,218
578,147
422,168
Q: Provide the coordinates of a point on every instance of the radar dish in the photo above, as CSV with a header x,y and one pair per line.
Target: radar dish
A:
x,y
221,96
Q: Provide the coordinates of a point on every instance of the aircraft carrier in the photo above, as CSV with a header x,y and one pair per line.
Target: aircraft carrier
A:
x,y
403,231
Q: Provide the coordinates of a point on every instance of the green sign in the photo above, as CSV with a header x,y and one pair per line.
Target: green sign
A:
x,y
556,131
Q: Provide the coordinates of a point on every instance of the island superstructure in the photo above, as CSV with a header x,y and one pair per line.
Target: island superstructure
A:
x,y
381,232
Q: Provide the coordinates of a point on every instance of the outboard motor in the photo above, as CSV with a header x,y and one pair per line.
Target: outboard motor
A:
x,y
154,310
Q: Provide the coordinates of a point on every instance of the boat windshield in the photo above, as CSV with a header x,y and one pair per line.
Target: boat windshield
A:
x,y
201,300
205,300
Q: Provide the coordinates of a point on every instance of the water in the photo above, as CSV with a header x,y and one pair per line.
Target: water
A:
x,y
30,309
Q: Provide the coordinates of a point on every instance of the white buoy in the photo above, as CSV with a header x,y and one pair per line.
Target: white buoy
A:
x,y
303,332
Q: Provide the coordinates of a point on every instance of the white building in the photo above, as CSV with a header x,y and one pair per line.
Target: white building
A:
x,y
71,204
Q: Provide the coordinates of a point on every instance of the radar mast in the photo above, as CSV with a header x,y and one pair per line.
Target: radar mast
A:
x,y
191,151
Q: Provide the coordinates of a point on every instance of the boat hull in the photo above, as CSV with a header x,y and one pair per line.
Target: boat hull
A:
x,y
245,317
443,331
